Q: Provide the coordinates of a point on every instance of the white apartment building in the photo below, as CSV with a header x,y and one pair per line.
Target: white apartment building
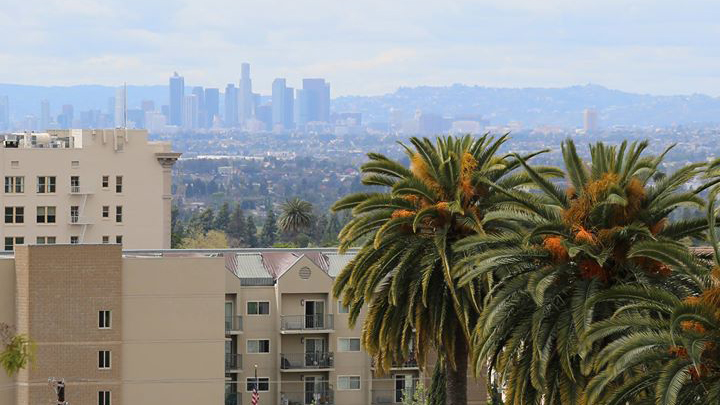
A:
x,y
85,186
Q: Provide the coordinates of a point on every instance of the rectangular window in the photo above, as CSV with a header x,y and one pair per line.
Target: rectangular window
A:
x,y
104,319
43,240
50,240
74,184
258,346
45,215
104,358
106,211
263,384
106,239
348,382
343,309
258,307
118,214
118,184
40,240
46,184
74,214
105,181
118,239
11,242
74,240
14,184
349,344
104,398
75,163
14,215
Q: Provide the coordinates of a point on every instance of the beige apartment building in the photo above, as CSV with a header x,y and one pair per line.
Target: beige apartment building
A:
x,y
188,327
86,186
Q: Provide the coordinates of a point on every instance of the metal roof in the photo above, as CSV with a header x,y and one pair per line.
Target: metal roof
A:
x,y
250,270
337,262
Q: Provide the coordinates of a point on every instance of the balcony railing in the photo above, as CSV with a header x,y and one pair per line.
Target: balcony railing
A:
x,y
233,398
318,397
233,361
79,220
306,322
411,362
80,190
380,397
233,323
302,361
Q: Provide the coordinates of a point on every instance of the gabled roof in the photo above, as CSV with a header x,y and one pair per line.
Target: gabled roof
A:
x,y
277,263
337,262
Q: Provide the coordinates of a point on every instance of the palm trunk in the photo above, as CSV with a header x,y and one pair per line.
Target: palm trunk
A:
x,y
456,380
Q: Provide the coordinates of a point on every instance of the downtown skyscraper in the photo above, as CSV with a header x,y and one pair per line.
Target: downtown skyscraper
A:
x,y
313,102
246,100
282,105
231,105
212,106
177,96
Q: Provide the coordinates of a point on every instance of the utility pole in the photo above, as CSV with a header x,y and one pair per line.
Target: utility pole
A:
x,y
58,385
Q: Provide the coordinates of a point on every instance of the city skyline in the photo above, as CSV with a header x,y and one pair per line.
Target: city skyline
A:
x,y
369,47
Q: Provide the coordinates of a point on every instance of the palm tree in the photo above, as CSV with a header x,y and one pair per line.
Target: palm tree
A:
x,y
666,346
407,231
609,226
296,216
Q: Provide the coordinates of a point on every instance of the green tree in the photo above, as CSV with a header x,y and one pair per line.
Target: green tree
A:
x,y
404,270
18,352
269,230
236,226
251,232
333,229
295,216
196,239
206,219
222,219
177,232
609,227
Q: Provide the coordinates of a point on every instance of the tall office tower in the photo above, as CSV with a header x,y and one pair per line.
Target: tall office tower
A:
x,y
110,111
231,106
121,107
177,95
245,97
300,111
190,112
4,112
87,186
199,93
590,120
212,106
65,119
44,115
263,113
317,99
147,105
282,104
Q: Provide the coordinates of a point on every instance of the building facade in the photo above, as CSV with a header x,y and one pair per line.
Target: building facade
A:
x,y
191,327
86,186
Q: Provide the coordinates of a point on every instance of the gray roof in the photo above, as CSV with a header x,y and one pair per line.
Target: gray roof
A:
x,y
337,262
249,268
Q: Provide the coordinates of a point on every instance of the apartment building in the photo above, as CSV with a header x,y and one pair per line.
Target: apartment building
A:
x,y
190,327
86,186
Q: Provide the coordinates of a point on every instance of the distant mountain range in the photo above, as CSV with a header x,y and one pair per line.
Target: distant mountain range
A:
x,y
530,106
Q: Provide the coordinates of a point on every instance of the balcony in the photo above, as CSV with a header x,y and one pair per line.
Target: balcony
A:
x,y
233,361
301,323
320,397
78,190
79,220
233,324
306,361
381,397
410,363
233,398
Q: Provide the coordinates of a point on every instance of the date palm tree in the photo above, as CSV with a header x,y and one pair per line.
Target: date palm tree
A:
x,y
665,346
609,226
406,230
295,216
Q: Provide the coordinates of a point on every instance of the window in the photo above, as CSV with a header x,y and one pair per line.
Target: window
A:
x,y
118,214
45,240
14,215
105,181
104,398
74,214
75,163
14,184
263,384
104,357
74,184
11,242
258,307
45,215
14,163
106,211
106,239
343,309
349,344
118,184
118,239
74,240
348,382
258,346
46,184
104,319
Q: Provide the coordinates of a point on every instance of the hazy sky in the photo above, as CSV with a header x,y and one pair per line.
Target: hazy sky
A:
x,y
366,46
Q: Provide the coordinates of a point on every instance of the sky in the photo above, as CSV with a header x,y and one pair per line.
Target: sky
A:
x,y
366,47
